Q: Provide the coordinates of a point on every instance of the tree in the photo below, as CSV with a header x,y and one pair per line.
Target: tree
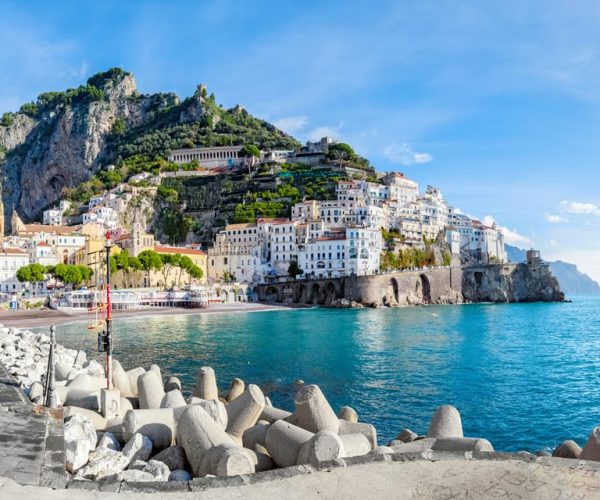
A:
x,y
31,273
195,272
340,151
150,260
249,150
169,261
185,264
294,269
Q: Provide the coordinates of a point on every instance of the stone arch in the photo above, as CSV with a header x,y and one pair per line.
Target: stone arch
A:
x,y
330,293
315,294
423,289
299,291
393,292
224,296
271,294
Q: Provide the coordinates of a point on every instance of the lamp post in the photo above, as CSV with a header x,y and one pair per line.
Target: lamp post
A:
x,y
105,338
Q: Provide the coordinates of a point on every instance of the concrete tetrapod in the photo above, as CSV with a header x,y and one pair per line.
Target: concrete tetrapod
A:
x,y
172,399
313,412
214,408
120,379
461,444
284,441
322,447
591,450
568,449
256,434
206,386
150,389
359,428
355,445
208,448
243,411
236,389
133,375
348,414
157,424
172,383
446,423
270,414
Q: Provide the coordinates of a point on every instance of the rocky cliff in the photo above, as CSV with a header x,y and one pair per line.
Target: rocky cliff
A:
x,y
511,283
64,138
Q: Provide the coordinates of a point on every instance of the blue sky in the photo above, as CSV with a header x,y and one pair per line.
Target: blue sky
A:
x,y
497,103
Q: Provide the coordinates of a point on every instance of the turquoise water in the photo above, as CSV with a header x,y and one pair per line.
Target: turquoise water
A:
x,y
524,376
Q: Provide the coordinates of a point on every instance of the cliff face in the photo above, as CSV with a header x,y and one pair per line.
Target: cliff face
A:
x,y
64,138
511,283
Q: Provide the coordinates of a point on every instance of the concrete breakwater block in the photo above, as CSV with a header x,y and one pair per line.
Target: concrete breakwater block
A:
x,y
138,447
133,375
568,449
446,423
243,412
313,411
256,434
206,385
215,408
322,447
355,445
209,449
462,444
591,450
172,399
348,414
284,441
157,424
174,458
172,383
271,414
120,379
367,430
236,389
150,390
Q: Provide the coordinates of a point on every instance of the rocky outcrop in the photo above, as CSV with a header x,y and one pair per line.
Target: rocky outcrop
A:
x,y
511,283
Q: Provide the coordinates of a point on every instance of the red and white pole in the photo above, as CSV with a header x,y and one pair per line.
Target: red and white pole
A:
x,y
108,315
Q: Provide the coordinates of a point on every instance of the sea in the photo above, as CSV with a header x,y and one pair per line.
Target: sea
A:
x,y
523,376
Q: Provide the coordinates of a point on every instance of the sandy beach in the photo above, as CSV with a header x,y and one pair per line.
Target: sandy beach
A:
x,y
47,317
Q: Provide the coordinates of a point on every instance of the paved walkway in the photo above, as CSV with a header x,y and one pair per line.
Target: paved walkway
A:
x,y
422,479
31,444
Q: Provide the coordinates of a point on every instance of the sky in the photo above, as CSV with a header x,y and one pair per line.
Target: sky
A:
x,y
496,103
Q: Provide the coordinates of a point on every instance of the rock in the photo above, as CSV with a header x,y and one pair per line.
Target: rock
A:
x,y
543,453
110,441
446,423
284,442
313,412
568,449
172,399
135,476
172,383
103,462
80,439
139,447
137,465
591,450
348,414
236,388
150,390
406,436
159,470
180,475
206,386
62,370
243,412
157,425
173,457
36,390
98,421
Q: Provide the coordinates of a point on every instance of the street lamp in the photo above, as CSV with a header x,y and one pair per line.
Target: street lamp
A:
x,y
105,338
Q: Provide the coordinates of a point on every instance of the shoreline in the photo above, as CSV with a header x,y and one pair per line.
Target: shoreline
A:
x,y
47,317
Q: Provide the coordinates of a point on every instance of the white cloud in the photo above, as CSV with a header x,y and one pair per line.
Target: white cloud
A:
x,y
576,207
488,220
404,155
291,124
553,243
556,219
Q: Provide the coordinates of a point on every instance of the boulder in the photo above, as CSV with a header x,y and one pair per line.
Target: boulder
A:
x,y
568,449
243,411
348,414
159,470
103,462
180,475
313,412
110,441
98,421
135,476
139,447
173,457
446,423
591,450
137,465
80,439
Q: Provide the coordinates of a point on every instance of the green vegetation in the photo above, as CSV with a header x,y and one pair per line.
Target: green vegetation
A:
x,y
149,260
32,273
99,80
343,154
252,211
294,269
69,274
7,119
250,150
407,258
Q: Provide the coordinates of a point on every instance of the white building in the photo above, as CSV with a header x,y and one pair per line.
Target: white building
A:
x,y
434,212
42,253
11,260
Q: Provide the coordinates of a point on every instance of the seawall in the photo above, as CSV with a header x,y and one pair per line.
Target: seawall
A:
x,y
446,285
